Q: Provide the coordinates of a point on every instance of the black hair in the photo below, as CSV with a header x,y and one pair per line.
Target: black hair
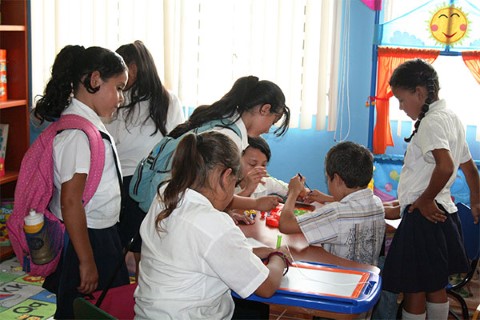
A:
x,y
352,162
147,86
73,66
246,93
194,159
412,74
260,144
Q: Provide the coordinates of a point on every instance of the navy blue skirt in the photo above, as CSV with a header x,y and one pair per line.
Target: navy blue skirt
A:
x,y
108,254
424,254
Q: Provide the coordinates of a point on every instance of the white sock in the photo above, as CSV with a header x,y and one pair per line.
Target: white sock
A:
x,y
411,316
437,311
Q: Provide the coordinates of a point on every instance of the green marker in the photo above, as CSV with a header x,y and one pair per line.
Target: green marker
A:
x,y
279,241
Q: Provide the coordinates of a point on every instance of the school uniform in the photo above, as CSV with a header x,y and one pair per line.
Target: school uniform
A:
x,y
71,154
352,228
134,139
423,254
270,186
189,270
241,142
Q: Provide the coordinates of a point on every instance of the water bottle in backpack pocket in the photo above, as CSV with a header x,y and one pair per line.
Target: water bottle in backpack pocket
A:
x,y
38,239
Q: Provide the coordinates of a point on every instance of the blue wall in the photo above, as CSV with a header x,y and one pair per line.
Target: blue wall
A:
x,y
304,150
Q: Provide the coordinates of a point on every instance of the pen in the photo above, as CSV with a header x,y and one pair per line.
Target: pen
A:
x,y
306,185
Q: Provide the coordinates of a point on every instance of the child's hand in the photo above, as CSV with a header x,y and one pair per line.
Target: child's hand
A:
x,y
296,186
318,196
475,212
253,178
267,203
239,217
429,209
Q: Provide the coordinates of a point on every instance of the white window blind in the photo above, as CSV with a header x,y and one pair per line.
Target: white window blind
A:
x,y
202,46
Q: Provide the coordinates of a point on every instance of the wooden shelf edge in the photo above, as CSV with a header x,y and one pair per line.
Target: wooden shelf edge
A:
x,y
12,103
4,27
9,177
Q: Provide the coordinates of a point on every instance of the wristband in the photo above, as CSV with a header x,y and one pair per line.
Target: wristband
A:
x,y
281,255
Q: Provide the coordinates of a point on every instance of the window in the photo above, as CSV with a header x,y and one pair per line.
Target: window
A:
x,y
202,46
457,84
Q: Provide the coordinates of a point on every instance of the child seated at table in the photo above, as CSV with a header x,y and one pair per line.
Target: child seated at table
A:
x,y
193,255
255,181
351,225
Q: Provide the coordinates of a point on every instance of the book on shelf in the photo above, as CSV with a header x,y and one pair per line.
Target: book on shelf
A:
x,y
3,146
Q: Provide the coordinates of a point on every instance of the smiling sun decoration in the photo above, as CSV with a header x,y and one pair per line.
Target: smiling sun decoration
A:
x,y
449,25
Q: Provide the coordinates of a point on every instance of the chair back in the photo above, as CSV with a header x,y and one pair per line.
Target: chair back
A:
x,y
470,231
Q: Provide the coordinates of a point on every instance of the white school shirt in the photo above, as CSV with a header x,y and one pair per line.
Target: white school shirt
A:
x,y
271,186
188,271
71,154
441,128
135,141
352,228
241,142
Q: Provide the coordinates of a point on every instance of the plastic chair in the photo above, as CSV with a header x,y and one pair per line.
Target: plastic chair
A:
x,y
471,242
83,309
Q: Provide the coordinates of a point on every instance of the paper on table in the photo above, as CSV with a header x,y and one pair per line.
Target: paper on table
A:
x,y
325,281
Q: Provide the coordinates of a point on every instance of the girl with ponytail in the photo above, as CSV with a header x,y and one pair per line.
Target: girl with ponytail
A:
x,y
193,254
85,82
427,247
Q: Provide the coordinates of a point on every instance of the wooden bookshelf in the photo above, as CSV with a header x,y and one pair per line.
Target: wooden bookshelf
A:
x,y
15,111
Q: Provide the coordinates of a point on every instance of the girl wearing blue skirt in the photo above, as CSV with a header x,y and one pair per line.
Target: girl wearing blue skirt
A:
x,y
427,246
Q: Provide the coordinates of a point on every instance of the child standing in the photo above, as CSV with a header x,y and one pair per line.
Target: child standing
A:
x,y
353,225
193,255
251,107
148,113
88,83
427,245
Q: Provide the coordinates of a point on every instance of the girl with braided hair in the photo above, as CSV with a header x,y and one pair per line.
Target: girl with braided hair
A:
x,y
427,246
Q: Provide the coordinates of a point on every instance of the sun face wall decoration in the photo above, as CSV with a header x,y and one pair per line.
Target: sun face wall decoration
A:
x,y
449,25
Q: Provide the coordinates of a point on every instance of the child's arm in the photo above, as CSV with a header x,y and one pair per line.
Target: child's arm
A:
x,y
266,203
471,175
276,266
318,196
288,223
392,210
76,224
441,173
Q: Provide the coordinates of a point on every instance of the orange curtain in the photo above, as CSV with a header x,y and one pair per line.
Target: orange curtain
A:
x,y
388,60
472,61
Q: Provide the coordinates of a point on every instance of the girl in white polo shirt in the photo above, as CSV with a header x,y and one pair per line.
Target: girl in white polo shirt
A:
x,y
427,245
193,254
88,83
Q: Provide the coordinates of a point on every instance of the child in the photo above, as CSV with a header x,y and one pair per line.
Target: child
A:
x,y
148,114
252,106
88,83
193,255
427,245
353,225
255,181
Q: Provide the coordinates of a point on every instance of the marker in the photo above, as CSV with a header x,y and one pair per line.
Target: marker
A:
x,y
279,241
305,183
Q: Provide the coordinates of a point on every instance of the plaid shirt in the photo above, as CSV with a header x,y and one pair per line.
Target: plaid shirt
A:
x,y
352,228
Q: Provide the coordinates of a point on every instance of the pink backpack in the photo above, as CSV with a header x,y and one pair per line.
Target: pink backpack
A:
x,y
35,188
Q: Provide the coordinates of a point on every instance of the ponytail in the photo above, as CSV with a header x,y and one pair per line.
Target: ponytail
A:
x,y
194,160
73,67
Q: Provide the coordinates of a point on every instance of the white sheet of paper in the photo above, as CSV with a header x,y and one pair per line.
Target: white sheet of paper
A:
x,y
320,282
